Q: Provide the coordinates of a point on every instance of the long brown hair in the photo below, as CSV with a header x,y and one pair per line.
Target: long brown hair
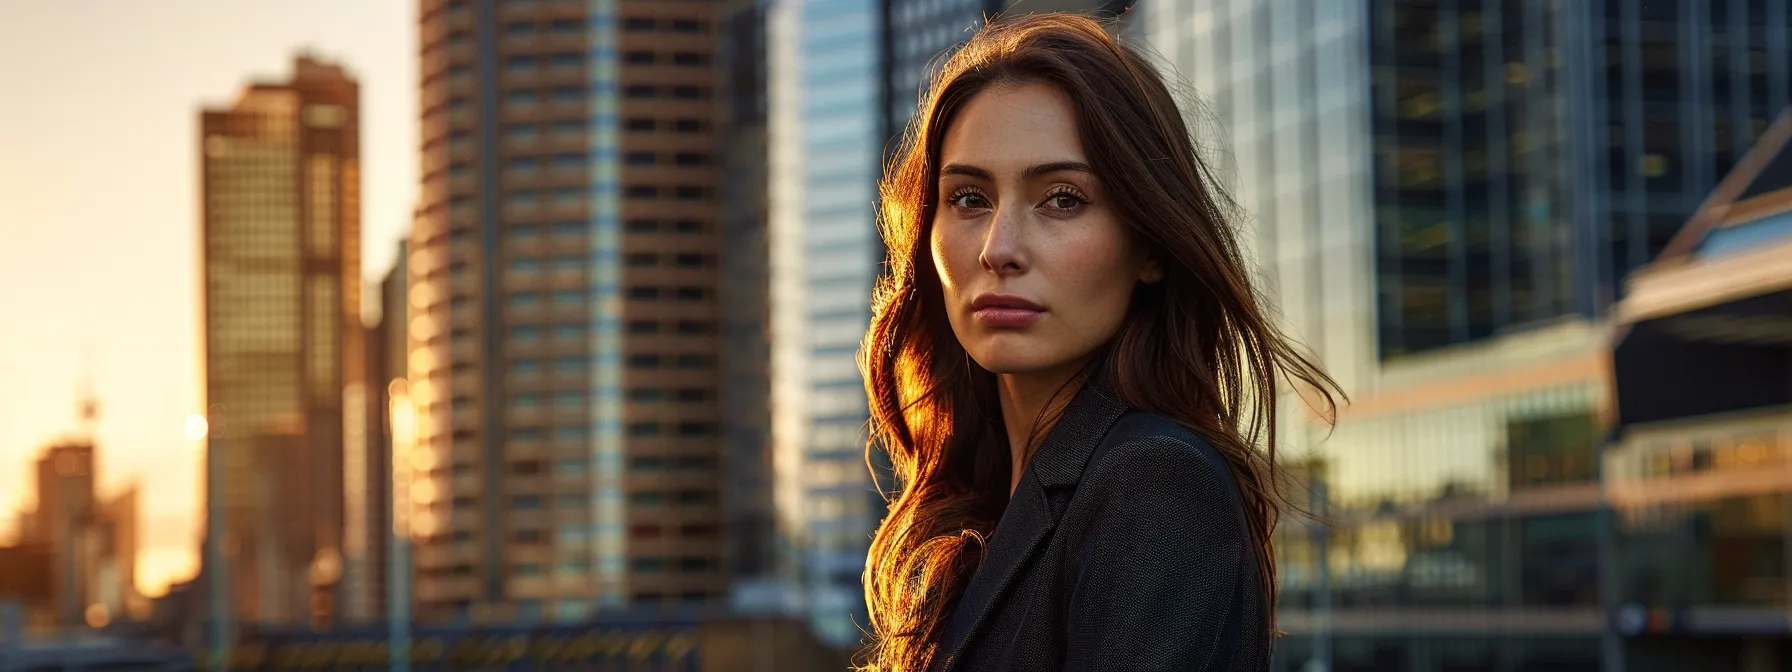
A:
x,y
1198,347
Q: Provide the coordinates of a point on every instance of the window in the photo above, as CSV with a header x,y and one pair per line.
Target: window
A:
x,y
687,92
697,531
570,161
638,124
634,24
691,395
696,497
695,361
643,293
525,264
639,91
572,500
525,400
568,332
522,197
568,59
572,567
639,158
647,498
571,467
644,531
695,463
688,260
568,25
567,366
647,464
641,327
694,564
568,127
569,399
568,194
572,434
689,58
642,226
569,94
691,293
570,227
526,468
528,434
647,566
688,226
530,537
688,126
691,159
519,28
522,163
520,131
523,232
525,367
643,429
638,57
645,395
696,428
520,97
525,333
526,502
688,193
643,361
525,299
643,192
528,569
641,259
520,63
686,26
568,297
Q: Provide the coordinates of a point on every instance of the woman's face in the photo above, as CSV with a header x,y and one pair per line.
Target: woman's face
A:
x,y
1036,269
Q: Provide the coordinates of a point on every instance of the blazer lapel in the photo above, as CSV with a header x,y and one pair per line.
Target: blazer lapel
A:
x,y
1028,520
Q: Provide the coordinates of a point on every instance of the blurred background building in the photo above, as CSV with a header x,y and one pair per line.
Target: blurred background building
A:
x,y
281,294
566,317
1444,199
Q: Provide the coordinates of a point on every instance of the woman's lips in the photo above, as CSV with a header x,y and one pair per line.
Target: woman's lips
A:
x,y
1007,318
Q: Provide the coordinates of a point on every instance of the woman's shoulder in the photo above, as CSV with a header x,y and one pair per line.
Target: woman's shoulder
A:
x,y
1145,451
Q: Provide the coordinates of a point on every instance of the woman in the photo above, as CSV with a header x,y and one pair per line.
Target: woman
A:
x,y
1070,371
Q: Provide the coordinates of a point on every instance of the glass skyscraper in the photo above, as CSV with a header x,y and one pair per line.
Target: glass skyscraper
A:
x,y
1441,197
825,135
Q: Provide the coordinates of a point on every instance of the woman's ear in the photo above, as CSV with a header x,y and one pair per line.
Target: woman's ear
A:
x,y
1151,272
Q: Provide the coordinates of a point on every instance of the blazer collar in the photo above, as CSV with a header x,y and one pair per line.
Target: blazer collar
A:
x,y
1029,518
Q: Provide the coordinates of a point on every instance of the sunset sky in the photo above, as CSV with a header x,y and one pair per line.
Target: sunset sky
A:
x,y
99,218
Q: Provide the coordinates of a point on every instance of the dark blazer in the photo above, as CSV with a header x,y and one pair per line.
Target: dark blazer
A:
x,y
1123,547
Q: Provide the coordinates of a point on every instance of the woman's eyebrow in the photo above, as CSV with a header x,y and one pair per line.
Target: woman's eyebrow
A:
x,y
1031,172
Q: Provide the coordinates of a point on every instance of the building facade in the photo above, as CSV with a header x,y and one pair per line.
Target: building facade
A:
x,y
281,292
1440,197
824,128
564,297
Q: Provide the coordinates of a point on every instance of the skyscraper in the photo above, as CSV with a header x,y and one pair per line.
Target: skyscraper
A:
x,y
1441,196
281,268
825,128
564,309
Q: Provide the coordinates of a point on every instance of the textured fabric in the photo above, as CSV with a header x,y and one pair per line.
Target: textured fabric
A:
x,y
1123,548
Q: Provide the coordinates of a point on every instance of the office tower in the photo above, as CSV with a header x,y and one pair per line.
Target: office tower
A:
x,y
1441,196
367,462
281,268
756,546
825,134
64,519
1693,474
564,310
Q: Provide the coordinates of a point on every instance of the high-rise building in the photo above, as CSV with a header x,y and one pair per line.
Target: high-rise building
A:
x,y
565,310
281,267
825,104
756,545
67,509
1441,196
367,461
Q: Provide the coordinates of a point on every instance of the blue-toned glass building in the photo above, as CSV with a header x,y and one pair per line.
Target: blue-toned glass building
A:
x,y
824,138
1442,197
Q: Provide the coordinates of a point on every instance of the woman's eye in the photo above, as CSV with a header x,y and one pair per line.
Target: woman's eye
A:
x,y
970,201
1064,201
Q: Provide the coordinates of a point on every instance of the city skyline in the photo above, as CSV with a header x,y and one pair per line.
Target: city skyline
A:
x,y
136,343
